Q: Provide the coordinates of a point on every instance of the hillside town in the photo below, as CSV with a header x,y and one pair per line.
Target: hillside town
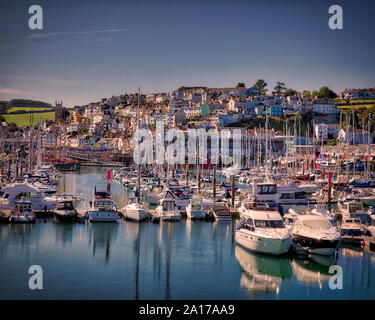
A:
x,y
107,126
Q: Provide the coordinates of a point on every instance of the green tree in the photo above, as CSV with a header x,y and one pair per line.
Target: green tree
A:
x,y
306,94
326,93
290,92
280,86
241,84
261,85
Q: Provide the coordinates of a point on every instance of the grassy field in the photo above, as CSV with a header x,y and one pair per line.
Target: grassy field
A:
x,y
15,109
24,119
358,106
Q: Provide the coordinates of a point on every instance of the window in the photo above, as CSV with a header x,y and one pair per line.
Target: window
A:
x,y
269,224
168,206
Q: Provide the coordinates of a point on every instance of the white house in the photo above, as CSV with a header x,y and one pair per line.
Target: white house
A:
x,y
325,131
324,107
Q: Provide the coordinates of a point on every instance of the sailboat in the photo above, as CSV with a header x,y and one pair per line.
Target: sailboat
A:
x,y
134,210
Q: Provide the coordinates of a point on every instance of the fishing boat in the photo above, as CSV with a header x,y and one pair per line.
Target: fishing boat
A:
x,y
167,210
316,234
262,230
195,210
22,212
65,211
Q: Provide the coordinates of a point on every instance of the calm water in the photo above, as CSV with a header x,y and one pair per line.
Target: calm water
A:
x,y
185,260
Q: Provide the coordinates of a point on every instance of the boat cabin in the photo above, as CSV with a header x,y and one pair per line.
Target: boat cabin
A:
x,y
266,188
168,204
353,207
22,206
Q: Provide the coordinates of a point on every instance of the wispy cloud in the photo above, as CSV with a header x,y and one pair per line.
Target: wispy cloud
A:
x,y
11,91
101,39
54,34
40,80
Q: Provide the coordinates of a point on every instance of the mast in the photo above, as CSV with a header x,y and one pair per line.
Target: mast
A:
x,y
266,157
347,146
39,159
31,148
368,145
354,162
138,166
339,156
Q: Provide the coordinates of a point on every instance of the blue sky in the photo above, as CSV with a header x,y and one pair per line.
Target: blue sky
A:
x,y
92,49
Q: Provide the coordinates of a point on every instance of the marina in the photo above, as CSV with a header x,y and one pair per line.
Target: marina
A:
x,y
146,260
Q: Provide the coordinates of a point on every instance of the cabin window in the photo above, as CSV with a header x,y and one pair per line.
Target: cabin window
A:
x,y
287,196
269,223
299,195
266,189
249,222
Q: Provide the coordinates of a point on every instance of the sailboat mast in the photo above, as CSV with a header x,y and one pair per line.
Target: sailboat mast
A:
x,y
138,166
347,146
368,145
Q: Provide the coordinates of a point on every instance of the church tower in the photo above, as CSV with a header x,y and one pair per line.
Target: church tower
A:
x,y
58,110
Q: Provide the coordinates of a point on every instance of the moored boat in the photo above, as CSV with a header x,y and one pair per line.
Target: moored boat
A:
x,y
65,211
316,234
22,212
263,230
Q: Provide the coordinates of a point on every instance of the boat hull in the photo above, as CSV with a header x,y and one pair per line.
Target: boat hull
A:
x,y
256,243
316,246
135,215
171,218
103,216
195,214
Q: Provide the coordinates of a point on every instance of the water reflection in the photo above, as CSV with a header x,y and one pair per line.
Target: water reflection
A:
x,y
101,235
261,273
64,233
314,270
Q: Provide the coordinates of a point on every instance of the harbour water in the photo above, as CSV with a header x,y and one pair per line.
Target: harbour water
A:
x,y
184,260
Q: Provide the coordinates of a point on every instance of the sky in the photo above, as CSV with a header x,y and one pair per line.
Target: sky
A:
x,y
92,49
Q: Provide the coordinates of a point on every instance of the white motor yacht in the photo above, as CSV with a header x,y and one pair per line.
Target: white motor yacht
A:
x,y
262,230
15,191
316,234
285,196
